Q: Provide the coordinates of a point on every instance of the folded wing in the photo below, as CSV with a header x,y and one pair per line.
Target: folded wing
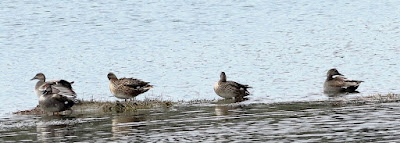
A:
x,y
135,83
61,87
237,87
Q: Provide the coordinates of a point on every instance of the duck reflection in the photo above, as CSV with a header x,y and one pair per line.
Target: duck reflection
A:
x,y
53,129
336,95
224,106
121,127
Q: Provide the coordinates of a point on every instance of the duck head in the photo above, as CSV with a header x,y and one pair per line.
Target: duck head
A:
x,y
111,76
222,77
39,76
333,72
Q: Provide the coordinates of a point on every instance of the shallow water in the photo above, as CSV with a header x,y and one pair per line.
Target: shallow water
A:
x,y
281,48
216,122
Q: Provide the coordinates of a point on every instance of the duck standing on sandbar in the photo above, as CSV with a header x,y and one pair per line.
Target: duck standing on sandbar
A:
x,y
127,88
51,101
54,96
230,89
339,84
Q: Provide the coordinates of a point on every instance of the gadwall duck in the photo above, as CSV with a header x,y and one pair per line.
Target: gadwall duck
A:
x,y
126,88
339,84
51,101
230,89
61,87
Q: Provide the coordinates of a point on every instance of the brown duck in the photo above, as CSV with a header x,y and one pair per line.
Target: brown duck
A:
x,y
126,88
230,89
339,84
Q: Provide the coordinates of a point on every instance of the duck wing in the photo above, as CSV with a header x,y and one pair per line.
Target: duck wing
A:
x,y
45,88
241,87
348,82
62,87
134,83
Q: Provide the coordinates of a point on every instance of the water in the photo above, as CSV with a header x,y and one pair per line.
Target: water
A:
x,y
281,48
217,122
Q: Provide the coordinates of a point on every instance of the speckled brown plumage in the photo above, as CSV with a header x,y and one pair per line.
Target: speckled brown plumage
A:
x,y
230,89
126,88
339,83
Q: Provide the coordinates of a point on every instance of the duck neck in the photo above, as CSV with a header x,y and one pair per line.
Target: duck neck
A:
x,y
39,83
330,77
223,79
113,79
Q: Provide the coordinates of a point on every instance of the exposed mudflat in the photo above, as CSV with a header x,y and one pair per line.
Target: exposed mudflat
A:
x,y
361,120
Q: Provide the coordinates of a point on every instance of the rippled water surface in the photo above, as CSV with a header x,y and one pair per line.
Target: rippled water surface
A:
x,y
280,48
216,122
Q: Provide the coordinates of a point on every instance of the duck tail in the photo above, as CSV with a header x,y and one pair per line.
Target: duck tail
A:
x,y
148,86
143,90
76,101
246,93
69,103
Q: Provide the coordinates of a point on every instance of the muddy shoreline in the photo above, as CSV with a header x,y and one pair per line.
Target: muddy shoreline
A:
x,y
130,106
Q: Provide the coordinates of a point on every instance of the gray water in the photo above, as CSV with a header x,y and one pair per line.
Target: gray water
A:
x,y
216,122
280,48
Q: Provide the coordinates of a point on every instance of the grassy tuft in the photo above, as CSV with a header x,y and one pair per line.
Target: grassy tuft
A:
x,y
128,106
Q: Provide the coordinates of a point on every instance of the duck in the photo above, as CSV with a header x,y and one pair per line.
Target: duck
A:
x,y
50,101
230,89
339,84
62,87
127,88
